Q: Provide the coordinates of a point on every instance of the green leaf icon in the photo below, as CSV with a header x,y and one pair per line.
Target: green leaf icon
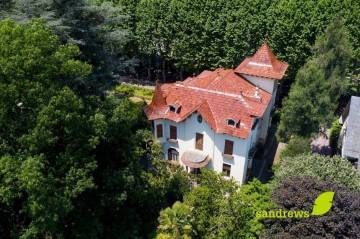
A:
x,y
323,203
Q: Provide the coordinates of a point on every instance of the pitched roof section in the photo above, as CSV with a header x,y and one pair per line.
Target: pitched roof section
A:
x,y
216,95
352,143
263,64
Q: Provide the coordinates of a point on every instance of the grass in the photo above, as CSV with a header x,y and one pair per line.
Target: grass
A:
x,y
135,91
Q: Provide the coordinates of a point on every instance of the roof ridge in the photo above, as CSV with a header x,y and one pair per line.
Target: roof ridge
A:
x,y
242,100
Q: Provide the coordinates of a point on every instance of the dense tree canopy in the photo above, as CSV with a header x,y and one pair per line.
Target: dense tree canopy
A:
x,y
96,28
318,85
337,169
218,209
339,222
197,35
70,164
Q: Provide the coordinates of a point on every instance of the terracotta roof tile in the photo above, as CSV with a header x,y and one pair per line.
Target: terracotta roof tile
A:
x,y
263,64
220,95
219,98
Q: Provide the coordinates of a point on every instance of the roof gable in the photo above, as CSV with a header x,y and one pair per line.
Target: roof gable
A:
x,y
263,64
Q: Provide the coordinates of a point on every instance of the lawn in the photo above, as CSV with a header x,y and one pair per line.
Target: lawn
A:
x,y
135,91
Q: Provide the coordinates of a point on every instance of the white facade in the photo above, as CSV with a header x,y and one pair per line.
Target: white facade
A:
x,y
213,145
270,86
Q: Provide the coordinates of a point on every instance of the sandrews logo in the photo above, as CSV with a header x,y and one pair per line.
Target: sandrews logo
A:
x,y
322,205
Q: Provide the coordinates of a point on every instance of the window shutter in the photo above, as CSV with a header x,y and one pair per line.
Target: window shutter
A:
x,y
199,144
159,130
173,133
228,147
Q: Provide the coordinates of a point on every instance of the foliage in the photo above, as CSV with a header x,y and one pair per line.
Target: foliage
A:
x,y
334,136
136,91
219,209
95,28
257,195
316,166
33,68
175,222
299,194
73,165
318,85
296,146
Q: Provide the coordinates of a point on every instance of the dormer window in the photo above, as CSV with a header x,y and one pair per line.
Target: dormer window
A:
x,y
175,107
231,122
172,108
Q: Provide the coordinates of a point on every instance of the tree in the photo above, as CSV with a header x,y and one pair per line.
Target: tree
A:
x,y
96,28
299,194
258,197
175,222
34,66
334,136
316,166
219,209
59,148
296,146
318,85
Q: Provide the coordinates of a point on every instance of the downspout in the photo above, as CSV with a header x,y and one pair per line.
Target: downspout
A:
x,y
213,150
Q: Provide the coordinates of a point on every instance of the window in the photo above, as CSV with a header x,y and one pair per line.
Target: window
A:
x,y
226,170
256,121
199,143
159,131
173,132
231,122
173,154
199,118
172,108
229,145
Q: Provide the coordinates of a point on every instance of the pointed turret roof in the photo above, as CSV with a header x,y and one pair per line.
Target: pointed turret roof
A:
x,y
158,103
158,98
263,64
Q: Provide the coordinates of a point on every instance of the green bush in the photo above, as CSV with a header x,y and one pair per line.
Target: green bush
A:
x,y
334,136
337,169
296,146
135,91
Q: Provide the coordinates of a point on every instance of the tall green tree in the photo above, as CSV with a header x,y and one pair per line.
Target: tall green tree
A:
x,y
96,28
220,209
318,85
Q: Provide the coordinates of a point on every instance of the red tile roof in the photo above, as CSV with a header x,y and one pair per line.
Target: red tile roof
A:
x,y
217,95
263,64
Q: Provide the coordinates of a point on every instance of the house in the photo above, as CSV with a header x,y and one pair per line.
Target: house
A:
x,y
349,140
216,119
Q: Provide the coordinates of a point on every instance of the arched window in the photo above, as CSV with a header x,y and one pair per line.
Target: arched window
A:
x,y
173,154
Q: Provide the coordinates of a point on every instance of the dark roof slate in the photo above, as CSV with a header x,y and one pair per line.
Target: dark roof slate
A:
x,y
352,140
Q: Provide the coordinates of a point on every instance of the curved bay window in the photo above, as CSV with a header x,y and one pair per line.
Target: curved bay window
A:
x,y
173,154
